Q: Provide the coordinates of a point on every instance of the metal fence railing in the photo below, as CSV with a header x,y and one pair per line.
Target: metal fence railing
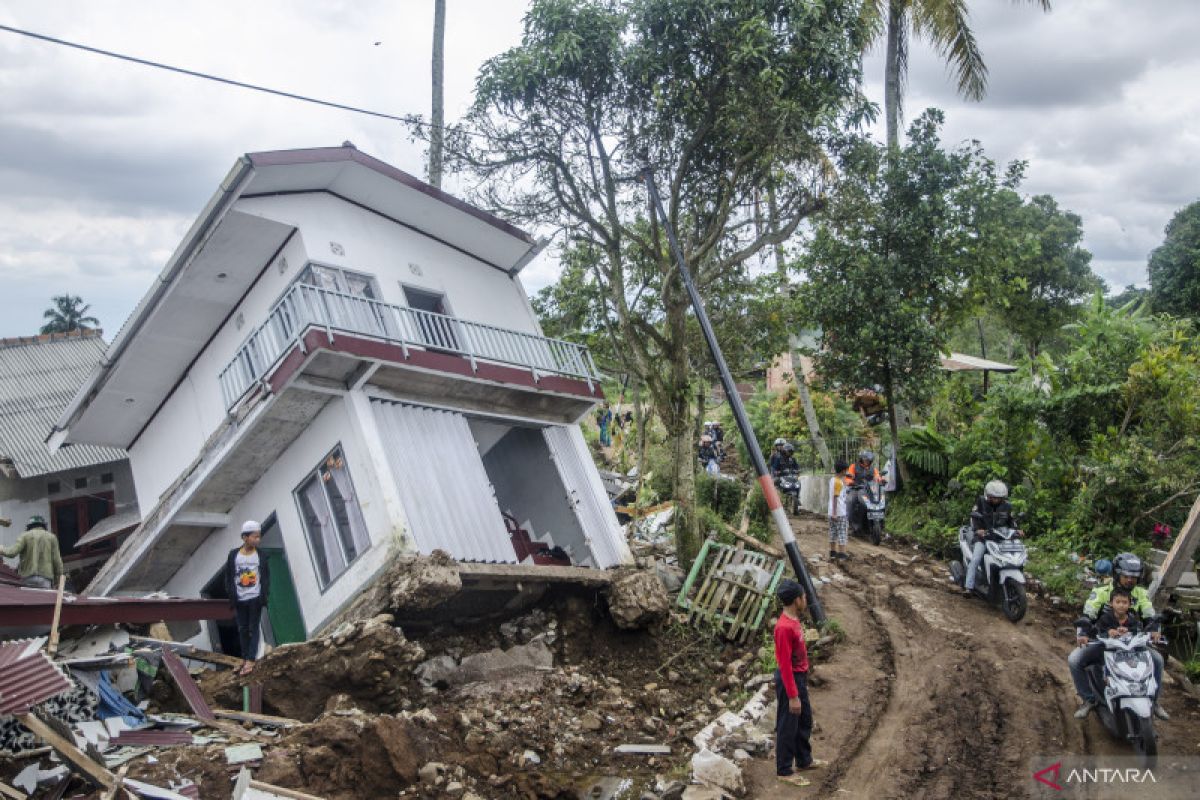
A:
x,y
304,306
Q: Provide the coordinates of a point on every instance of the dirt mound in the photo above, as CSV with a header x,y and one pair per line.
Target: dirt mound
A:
x,y
369,662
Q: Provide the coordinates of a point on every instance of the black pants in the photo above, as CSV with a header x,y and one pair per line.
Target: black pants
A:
x,y
792,730
248,614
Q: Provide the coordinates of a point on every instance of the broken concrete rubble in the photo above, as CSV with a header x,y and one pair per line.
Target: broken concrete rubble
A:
x,y
636,600
356,659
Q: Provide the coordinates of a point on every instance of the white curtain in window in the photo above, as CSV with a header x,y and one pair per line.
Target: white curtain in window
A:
x,y
325,537
358,526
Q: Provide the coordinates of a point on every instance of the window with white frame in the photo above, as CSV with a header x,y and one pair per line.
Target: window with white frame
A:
x,y
344,308
332,519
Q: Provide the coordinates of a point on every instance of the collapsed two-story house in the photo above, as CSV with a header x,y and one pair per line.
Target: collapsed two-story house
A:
x,y
346,354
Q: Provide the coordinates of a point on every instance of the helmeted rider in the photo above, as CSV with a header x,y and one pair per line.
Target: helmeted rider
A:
x,y
858,475
1127,572
864,470
991,511
708,455
776,456
784,461
718,433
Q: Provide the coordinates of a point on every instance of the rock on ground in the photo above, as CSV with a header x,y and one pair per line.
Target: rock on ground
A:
x,y
637,600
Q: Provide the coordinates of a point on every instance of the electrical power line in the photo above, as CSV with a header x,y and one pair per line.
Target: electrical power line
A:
x,y
408,119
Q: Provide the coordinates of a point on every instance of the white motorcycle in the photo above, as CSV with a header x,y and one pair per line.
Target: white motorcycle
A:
x,y
1126,683
1001,576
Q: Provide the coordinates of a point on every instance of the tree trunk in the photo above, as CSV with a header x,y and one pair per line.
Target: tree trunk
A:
x,y
891,78
810,413
436,135
687,526
895,426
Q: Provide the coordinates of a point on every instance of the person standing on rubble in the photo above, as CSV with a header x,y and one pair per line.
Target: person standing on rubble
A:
x,y
248,582
40,562
793,711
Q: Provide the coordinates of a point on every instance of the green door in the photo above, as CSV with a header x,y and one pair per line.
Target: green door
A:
x,y
282,605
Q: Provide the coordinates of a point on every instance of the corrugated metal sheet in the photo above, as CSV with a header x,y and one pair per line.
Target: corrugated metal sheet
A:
x,y
29,681
39,376
119,523
153,738
446,492
16,649
183,679
582,480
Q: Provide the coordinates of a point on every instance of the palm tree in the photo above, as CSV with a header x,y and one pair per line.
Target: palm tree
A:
x,y
945,24
67,314
439,103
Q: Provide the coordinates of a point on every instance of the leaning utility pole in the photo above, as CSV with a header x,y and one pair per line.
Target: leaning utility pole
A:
x,y
739,411
438,117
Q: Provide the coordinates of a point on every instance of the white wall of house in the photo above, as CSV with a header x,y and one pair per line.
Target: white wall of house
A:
x,y
273,494
22,498
375,245
176,435
372,245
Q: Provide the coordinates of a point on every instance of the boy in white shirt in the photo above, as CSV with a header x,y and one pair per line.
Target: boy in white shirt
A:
x,y
838,521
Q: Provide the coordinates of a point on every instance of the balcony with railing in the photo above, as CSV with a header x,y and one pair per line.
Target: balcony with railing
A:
x,y
306,308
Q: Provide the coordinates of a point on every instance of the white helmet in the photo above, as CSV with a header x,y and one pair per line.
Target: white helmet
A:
x,y
780,442
996,489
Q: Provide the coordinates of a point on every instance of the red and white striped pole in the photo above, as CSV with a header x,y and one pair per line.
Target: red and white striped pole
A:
x,y
778,514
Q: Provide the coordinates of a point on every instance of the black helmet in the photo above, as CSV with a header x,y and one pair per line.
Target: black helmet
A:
x,y
789,448
36,521
1127,564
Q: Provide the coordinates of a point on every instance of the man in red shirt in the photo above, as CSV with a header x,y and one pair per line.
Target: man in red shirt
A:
x,y
793,712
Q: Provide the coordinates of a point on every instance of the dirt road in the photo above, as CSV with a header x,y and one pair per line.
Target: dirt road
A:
x,y
937,696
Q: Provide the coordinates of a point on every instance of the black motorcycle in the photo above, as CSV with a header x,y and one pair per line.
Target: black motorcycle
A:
x,y
788,485
868,510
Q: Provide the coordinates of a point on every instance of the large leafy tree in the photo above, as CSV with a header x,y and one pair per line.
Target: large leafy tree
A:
x,y
946,25
720,98
1175,266
1043,273
890,264
68,313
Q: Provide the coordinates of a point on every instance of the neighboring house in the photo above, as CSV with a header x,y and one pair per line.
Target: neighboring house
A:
x,y
81,490
346,354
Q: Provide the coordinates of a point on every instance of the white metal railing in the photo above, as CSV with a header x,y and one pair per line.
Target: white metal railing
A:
x,y
305,306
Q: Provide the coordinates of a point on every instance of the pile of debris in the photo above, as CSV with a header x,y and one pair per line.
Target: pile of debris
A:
x,y
587,692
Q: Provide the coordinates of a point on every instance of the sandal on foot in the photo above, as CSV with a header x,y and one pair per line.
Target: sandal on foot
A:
x,y
816,764
794,779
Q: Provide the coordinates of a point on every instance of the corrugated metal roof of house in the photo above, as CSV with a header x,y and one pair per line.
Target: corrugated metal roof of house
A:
x,y
29,681
39,375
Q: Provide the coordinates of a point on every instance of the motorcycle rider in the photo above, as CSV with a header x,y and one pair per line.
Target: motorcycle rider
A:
x,y
857,476
991,511
784,461
708,455
1127,572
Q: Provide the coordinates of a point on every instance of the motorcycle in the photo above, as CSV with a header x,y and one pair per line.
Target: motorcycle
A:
x,y
1125,681
788,484
1001,577
869,510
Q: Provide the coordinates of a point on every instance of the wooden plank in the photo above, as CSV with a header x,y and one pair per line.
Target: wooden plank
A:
x,y
111,794
8,791
257,719
193,653
1180,557
52,645
84,765
750,541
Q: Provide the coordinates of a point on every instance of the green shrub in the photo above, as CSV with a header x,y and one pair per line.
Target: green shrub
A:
x,y
723,495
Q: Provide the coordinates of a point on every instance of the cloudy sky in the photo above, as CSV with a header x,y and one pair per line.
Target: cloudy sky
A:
x,y
103,164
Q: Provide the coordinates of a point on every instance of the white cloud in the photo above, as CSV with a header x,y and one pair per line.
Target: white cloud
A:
x,y
104,164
